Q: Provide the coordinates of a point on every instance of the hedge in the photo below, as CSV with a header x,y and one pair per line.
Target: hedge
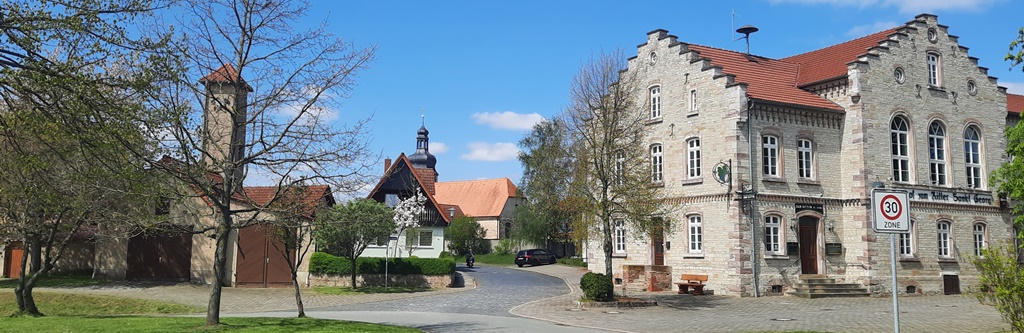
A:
x,y
326,264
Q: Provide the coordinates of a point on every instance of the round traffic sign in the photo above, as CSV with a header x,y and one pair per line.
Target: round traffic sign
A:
x,y
891,207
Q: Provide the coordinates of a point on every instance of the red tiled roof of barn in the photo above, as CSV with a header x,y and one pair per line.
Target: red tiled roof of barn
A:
x,y
830,62
766,79
477,198
1014,103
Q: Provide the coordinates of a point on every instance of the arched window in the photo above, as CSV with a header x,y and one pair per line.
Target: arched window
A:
x,y
656,159
696,234
693,158
944,240
972,157
899,132
805,159
655,102
908,242
770,155
934,69
980,238
937,153
773,235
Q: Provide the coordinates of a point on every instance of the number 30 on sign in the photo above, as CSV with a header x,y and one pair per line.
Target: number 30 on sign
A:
x,y
889,211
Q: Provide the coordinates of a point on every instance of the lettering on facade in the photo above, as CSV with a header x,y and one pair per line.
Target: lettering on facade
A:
x,y
950,196
812,207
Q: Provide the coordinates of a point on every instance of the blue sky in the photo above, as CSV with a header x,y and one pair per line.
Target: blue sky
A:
x,y
483,72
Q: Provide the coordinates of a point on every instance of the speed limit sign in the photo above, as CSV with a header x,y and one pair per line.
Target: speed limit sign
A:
x,y
889,211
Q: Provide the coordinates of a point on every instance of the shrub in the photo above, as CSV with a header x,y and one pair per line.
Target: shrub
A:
x,y
323,263
597,287
1002,283
505,246
577,262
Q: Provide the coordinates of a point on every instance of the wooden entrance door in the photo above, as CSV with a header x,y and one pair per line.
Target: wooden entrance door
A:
x,y
260,262
808,236
658,246
159,257
12,259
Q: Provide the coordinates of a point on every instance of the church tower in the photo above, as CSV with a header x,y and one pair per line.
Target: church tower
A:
x,y
224,121
422,161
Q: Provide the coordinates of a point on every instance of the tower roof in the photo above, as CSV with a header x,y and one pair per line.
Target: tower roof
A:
x,y
422,157
225,74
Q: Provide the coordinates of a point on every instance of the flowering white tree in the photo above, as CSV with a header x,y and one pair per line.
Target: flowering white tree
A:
x,y
407,214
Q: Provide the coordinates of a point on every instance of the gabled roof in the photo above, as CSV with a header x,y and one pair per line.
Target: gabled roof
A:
x,y
1014,103
403,161
830,62
304,199
766,79
224,74
477,198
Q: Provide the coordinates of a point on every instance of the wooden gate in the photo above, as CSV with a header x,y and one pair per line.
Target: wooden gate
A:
x,y
260,261
159,257
12,259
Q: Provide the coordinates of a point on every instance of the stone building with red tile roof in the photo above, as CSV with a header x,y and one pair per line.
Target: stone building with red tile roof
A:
x,y
490,202
768,164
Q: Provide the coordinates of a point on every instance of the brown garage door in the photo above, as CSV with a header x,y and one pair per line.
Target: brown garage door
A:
x,y
12,259
159,257
260,262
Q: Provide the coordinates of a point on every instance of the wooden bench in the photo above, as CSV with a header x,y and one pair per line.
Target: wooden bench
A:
x,y
695,281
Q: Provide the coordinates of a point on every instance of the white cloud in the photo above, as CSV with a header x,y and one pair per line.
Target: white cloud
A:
x,y
492,152
863,30
437,148
319,112
905,6
1013,87
508,120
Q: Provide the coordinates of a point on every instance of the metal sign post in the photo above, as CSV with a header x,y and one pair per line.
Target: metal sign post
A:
x,y
889,215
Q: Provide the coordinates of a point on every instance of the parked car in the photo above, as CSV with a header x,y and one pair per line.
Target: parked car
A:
x,y
535,257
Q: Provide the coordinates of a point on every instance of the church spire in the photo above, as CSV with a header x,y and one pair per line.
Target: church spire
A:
x,y
422,158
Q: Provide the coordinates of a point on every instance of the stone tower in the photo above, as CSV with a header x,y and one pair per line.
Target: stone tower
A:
x,y
224,120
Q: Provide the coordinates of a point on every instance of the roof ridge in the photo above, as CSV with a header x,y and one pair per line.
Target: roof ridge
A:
x,y
892,30
736,52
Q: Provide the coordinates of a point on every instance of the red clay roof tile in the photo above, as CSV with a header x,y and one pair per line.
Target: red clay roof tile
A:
x,y
1014,103
477,198
830,62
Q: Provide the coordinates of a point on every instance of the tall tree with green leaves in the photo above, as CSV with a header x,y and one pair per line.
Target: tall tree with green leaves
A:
x,y
260,96
75,133
545,182
1015,54
464,235
346,230
611,177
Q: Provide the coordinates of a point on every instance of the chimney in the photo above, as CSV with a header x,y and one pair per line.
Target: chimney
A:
x,y
387,164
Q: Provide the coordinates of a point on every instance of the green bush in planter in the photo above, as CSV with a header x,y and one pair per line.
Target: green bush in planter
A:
x,y
597,287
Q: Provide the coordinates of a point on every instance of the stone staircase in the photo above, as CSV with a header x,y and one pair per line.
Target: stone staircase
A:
x,y
820,286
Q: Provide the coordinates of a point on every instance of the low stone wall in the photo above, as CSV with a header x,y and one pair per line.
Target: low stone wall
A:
x,y
431,281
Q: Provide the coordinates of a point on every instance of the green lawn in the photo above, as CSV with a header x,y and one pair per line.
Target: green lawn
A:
x,y
58,281
66,312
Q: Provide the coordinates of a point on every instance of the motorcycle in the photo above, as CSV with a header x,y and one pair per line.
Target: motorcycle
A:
x,y
470,260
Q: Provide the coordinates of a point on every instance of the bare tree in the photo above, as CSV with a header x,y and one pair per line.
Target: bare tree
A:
x,y
270,93
611,178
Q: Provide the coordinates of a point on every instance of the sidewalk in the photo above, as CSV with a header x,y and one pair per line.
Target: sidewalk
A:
x,y
712,313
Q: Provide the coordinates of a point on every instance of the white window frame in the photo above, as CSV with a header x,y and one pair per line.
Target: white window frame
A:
x,y
693,158
695,234
937,154
907,242
657,163
972,157
773,235
620,167
934,66
899,134
417,238
693,100
620,236
980,237
805,158
770,155
945,240
655,93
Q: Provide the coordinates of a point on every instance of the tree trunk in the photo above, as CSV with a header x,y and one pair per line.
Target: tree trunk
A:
x,y
298,296
23,292
354,272
219,264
